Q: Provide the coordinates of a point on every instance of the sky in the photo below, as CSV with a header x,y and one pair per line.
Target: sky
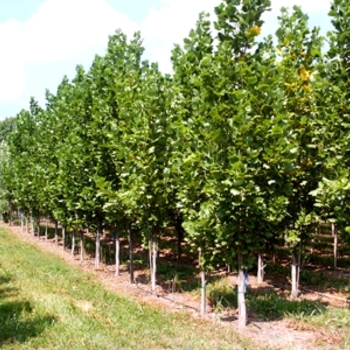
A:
x,y
43,40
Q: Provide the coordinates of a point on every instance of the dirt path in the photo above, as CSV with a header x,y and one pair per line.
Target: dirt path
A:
x,y
282,334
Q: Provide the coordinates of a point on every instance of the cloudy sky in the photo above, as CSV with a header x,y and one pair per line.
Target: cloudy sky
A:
x,y
43,40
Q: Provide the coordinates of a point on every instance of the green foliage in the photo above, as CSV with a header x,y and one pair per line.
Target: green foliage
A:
x,y
6,127
246,142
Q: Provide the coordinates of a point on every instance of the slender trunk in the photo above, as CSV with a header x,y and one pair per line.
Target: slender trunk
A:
x,y
32,224
179,246
299,264
63,237
97,250
294,292
20,214
117,253
131,257
56,232
335,245
180,235
46,228
73,243
261,267
154,262
242,280
26,224
313,240
203,307
38,222
81,246
103,255
10,218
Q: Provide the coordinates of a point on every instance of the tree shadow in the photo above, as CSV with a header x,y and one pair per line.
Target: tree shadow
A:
x,y
5,291
265,304
19,320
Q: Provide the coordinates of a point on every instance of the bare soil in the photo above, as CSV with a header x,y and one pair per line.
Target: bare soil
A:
x,y
280,334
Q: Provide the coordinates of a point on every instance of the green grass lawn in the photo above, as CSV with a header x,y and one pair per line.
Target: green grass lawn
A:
x,y
46,304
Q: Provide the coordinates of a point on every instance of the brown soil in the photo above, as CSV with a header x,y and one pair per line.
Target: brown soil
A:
x,y
281,334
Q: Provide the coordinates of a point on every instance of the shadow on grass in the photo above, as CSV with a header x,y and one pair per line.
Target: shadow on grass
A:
x,y
270,306
5,290
18,323
18,319
263,303
320,280
176,278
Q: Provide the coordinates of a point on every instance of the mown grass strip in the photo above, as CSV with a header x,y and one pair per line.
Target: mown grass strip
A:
x,y
46,304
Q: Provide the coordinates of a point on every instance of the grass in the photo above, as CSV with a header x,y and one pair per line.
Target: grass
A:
x,y
46,304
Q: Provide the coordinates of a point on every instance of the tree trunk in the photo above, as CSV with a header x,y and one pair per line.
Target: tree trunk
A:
x,y
261,267
97,250
81,246
38,222
63,237
274,257
117,253
20,214
131,257
313,240
46,228
26,224
56,232
294,291
335,245
299,263
203,306
242,311
73,243
32,224
153,262
180,234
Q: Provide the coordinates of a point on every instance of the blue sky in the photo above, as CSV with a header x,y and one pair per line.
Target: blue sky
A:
x,y
43,40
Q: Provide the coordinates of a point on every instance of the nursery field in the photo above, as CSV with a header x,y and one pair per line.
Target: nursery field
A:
x,y
48,304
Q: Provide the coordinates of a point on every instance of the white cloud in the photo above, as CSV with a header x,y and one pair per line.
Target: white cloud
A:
x,y
172,21
12,72
169,25
319,5
60,30
316,10
13,78
63,29
68,30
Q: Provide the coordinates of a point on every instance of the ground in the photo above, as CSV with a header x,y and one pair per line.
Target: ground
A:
x,y
275,334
